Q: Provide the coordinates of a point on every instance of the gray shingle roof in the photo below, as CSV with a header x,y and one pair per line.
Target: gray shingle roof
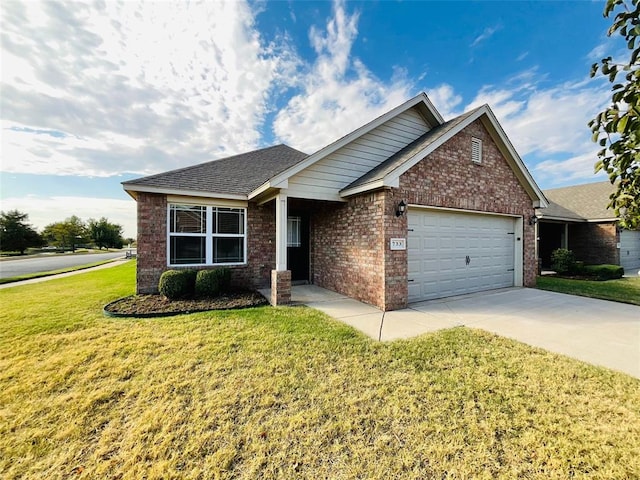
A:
x,y
237,175
399,158
580,202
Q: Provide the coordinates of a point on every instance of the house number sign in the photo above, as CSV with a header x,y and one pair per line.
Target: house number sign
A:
x,y
398,243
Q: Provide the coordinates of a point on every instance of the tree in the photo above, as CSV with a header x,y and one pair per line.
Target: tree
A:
x,y
617,128
105,234
16,234
67,234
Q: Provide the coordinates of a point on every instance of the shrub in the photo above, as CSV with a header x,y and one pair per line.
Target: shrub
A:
x,y
211,283
562,261
604,272
176,284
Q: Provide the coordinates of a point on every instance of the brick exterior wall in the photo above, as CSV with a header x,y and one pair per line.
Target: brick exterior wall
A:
x,y
595,243
350,242
448,178
356,259
347,254
152,241
152,245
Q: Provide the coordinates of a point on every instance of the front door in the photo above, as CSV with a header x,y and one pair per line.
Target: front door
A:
x,y
298,247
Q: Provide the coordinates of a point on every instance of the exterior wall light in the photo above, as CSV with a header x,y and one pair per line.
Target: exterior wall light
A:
x,y
402,207
533,220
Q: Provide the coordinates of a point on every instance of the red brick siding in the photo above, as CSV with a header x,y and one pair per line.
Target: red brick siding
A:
x,y
348,254
448,178
396,288
152,245
594,243
152,241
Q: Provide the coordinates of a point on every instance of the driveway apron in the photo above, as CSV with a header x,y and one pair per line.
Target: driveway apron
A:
x,y
595,331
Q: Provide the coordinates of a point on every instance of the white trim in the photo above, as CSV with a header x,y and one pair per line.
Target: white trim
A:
x,y
209,236
419,100
213,202
518,252
281,232
175,191
461,210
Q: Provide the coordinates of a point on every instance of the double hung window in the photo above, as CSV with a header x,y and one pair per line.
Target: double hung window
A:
x,y
206,235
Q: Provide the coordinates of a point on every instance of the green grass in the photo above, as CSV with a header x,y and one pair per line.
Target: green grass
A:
x,y
626,290
289,393
29,276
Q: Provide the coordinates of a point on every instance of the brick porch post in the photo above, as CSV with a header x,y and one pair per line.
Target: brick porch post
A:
x,y
280,287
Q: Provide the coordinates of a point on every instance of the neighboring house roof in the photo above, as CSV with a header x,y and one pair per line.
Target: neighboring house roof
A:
x,y
228,177
260,174
582,203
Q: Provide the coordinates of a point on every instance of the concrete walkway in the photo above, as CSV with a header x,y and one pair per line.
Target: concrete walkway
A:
x,y
595,331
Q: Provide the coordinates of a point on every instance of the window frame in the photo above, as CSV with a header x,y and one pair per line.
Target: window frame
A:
x,y
208,235
294,229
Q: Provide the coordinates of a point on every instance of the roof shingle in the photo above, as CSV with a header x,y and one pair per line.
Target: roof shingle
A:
x,y
580,202
237,175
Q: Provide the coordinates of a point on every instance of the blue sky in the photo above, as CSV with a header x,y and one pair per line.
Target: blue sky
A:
x,y
96,94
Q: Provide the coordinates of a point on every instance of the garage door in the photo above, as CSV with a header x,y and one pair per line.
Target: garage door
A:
x,y
630,251
457,253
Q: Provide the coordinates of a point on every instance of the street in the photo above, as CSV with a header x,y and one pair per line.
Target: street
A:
x,y
24,266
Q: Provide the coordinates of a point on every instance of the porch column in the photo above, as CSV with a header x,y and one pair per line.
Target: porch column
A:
x,y
281,277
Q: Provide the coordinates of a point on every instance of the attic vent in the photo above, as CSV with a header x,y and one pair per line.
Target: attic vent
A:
x,y
476,150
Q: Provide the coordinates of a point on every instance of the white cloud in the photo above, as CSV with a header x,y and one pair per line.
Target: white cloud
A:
x,y
486,34
45,210
548,126
137,87
338,92
577,169
446,100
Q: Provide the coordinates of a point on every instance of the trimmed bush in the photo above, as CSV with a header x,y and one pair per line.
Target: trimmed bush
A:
x,y
176,284
562,261
211,283
604,272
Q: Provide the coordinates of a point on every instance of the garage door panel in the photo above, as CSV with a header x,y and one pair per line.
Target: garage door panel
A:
x,y
630,251
440,268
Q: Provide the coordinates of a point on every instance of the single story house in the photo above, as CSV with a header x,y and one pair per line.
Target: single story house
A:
x,y
405,208
578,218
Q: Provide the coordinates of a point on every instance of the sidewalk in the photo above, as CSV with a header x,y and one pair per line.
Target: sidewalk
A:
x,y
113,263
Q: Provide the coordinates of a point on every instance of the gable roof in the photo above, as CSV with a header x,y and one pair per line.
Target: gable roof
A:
x,y
387,174
262,173
420,101
231,177
587,202
412,150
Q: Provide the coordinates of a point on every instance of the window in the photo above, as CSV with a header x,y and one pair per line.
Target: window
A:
x,y
476,150
204,235
293,231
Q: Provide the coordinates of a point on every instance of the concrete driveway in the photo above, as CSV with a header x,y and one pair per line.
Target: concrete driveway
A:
x,y
595,331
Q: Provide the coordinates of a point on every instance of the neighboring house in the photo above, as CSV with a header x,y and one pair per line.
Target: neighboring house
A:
x,y
406,208
577,218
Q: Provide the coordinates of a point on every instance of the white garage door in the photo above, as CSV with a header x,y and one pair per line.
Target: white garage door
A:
x,y
457,253
630,251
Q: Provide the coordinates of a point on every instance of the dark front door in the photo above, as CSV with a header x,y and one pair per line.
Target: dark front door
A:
x,y
298,247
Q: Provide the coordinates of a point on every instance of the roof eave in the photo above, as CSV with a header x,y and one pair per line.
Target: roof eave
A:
x,y
133,189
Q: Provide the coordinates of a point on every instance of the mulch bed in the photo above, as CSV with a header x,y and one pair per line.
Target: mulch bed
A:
x,y
158,305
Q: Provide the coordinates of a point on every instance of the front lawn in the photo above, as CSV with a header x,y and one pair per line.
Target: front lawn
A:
x,y
289,393
626,290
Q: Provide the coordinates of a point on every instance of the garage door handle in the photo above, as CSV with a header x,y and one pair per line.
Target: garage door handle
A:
x,y
468,260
